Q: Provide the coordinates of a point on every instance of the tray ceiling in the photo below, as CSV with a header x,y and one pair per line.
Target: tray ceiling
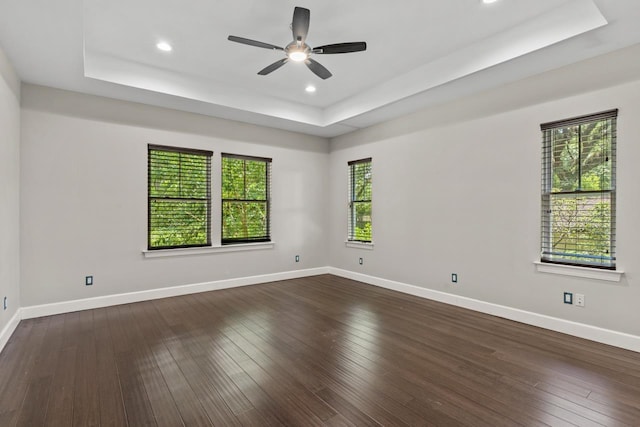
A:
x,y
416,49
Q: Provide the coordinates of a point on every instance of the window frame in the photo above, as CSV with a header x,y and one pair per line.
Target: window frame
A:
x,y
351,235
182,150
242,241
547,254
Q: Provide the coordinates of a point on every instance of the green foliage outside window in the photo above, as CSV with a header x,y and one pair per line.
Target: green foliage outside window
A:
x,y
360,201
245,199
582,228
178,199
581,157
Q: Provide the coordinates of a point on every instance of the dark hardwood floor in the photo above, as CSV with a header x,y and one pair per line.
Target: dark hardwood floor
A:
x,y
319,351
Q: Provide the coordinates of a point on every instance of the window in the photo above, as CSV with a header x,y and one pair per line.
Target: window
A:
x,y
360,200
578,191
179,193
245,199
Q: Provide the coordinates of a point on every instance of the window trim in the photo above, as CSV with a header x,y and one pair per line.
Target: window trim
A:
x,y
548,193
208,155
580,120
206,250
268,161
350,226
579,271
355,244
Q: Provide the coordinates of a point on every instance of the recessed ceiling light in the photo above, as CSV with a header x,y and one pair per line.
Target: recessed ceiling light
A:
x,y
489,1
310,89
164,46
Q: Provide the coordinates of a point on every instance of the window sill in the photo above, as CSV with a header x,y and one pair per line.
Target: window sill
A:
x,y
359,245
207,250
586,272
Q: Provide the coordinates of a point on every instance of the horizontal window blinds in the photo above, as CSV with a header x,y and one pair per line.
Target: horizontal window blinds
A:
x,y
246,190
179,197
360,175
578,190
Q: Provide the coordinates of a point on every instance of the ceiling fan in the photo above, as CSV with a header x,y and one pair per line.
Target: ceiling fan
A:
x,y
298,50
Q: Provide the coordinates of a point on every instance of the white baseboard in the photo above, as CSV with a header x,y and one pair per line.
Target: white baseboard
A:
x,y
581,330
109,300
9,329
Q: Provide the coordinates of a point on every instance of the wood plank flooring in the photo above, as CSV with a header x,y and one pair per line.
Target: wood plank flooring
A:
x,y
319,351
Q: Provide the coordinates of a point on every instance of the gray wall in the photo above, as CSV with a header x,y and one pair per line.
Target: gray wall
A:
x,y
9,190
84,196
457,190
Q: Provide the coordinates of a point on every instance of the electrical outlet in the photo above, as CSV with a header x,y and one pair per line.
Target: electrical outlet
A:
x,y
360,261
88,280
297,258
568,298
454,277
580,300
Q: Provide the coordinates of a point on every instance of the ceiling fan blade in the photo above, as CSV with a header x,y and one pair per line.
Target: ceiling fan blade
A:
x,y
271,68
300,23
318,69
254,43
341,48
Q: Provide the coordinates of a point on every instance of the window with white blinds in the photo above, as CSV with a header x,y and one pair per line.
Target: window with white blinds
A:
x,y
359,227
246,192
179,197
578,191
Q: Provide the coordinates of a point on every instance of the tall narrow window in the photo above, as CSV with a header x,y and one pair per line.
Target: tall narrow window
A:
x,y
578,191
179,193
245,199
360,200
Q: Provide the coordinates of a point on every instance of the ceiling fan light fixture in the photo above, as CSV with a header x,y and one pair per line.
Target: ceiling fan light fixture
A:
x,y
298,55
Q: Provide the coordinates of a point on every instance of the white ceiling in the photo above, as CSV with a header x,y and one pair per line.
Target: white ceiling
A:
x,y
420,52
